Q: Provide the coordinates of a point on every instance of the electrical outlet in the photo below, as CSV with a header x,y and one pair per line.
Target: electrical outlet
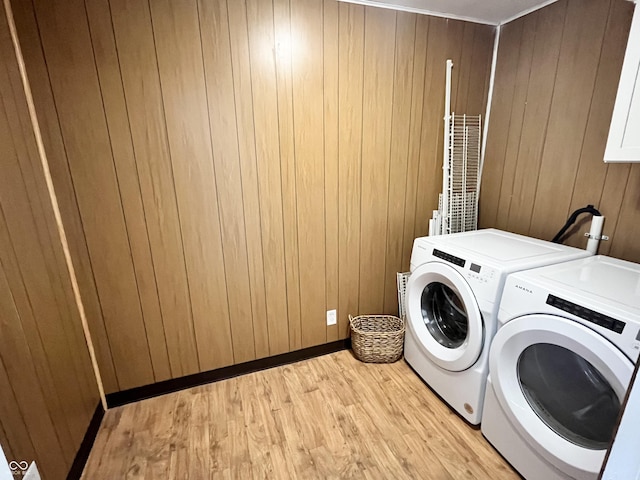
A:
x,y
331,317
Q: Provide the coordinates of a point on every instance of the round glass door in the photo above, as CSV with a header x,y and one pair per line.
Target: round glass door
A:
x,y
443,315
560,385
569,395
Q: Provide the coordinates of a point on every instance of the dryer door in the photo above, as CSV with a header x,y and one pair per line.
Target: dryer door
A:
x,y
561,385
443,314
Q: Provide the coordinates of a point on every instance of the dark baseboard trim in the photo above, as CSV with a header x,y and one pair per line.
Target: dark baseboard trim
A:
x,y
77,467
167,386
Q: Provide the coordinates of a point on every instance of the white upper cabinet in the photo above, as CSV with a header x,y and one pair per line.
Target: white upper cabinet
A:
x,y
623,144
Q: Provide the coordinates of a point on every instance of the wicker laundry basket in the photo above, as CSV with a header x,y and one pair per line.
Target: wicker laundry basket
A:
x,y
377,338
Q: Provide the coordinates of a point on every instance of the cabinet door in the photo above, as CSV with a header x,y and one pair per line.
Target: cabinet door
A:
x,y
623,144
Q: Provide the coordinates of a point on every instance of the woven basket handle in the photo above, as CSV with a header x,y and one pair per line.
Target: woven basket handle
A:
x,y
350,321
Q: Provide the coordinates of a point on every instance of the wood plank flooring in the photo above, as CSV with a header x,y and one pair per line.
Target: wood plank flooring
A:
x,y
328,417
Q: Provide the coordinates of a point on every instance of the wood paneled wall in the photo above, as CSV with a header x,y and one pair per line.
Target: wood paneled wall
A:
x,y
556,81
230,170
47,389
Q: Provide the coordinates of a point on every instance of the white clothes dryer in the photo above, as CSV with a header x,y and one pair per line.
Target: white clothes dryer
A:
x,y
568,338
452,299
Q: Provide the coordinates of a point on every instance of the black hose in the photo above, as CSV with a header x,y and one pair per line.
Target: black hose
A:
x,y
572,219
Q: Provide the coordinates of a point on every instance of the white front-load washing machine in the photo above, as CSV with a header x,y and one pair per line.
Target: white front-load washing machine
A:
x,y
452,300
560,363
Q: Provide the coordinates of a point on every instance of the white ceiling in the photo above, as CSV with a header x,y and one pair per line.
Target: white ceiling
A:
x,y
492,12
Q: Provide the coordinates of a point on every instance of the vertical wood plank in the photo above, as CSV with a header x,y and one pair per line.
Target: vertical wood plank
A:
x,y
48,393
497,137
108,69
34,276
573,89
331,59
179,51
625,240
29,208
376,145
433,159
309,133
260,19
614,191
137,58
284,47
415,137
592,172
76,92
481,59
30,41
544,64
34,292
516,119
246,138
351,57
429,174
17,444
399,158
216,49
460,95
22,379
446,46
15,104
53,391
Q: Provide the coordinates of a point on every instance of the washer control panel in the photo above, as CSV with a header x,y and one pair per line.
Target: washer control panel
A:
x,y
481,277
448,257
479,273
484,280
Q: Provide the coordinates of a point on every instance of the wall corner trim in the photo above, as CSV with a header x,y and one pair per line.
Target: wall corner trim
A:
x,y
487,115
52,196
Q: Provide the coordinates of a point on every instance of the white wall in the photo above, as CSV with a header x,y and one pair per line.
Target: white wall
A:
x,y
624,461
5,472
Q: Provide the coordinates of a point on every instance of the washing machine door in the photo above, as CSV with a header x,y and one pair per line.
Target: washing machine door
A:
x,y
561,385
443,315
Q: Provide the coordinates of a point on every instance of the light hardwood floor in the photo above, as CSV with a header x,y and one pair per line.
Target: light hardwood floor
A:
x,y
328,417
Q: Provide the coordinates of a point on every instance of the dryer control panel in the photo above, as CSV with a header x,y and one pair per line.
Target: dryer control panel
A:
x,y
627,334
586,314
